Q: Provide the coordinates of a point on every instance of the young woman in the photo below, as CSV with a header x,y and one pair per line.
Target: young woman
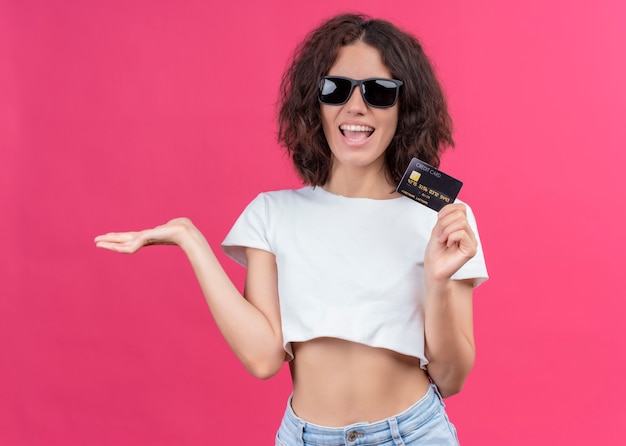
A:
x,y
366,293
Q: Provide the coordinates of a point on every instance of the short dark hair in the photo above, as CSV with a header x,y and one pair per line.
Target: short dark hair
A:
x,y
424,126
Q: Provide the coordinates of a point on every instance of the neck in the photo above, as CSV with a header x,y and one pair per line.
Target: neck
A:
x,y
361,183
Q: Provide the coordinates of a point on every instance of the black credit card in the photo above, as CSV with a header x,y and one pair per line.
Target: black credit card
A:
x,y
428,185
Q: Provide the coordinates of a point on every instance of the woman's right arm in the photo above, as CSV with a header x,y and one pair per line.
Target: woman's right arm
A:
x,y
250,324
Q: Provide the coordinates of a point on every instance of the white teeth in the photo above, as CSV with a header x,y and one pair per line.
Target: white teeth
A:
x,y
356,128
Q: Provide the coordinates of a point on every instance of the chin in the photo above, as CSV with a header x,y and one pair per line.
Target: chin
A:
x,y
360,159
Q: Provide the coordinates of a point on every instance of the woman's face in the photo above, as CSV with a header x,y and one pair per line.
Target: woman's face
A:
x,y
358,134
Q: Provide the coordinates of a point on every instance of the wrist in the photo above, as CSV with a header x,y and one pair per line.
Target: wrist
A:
x,y
438,285
187,236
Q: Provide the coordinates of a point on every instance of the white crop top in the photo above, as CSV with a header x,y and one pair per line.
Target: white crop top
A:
x,y
348,268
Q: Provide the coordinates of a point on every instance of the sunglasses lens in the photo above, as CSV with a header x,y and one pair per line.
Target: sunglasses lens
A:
x,y
380,92
335,90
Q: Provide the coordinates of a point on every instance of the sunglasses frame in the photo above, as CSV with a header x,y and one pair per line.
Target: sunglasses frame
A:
x,y
359,83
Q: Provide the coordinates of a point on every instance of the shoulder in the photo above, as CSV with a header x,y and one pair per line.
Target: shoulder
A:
x,y
288,197
276,197
284,194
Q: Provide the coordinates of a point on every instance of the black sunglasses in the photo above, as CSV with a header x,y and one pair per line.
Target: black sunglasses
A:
x,y
376,92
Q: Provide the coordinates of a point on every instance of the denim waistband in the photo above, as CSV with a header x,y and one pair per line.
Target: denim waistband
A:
x,y
407,421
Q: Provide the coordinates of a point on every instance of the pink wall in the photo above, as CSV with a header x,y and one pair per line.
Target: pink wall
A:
x,y
122,114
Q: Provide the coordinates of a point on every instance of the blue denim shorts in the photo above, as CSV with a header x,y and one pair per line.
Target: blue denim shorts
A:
x,y
424,423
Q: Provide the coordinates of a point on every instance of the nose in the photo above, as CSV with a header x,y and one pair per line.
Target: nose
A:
x,y
355,103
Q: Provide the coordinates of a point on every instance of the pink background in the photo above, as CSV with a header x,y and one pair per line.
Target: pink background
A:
x,y
117,115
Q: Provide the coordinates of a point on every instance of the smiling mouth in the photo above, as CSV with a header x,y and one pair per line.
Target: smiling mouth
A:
x,y
356,132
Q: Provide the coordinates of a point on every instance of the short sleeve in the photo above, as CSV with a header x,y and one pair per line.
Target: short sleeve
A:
x,y
475,268
249,231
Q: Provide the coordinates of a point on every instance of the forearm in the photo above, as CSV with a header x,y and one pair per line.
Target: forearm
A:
x,y
252,337
449,334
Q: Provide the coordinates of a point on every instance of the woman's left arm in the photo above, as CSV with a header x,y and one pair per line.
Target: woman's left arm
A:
x,y
448,326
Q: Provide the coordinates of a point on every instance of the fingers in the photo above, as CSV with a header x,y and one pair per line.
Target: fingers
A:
x,y
453,229
450,219
124,242
116,237
463,243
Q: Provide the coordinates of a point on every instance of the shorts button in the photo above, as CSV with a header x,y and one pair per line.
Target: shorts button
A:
x,y
352,436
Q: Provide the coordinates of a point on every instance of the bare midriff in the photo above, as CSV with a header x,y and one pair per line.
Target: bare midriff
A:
x,y
337,382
